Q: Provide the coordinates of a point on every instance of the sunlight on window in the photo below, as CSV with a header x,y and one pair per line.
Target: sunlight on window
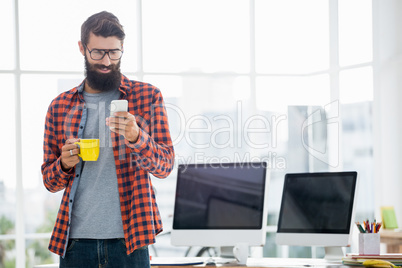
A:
x,y
7,44
277,93
201,36
171,86
208,95
292,36
355,32
50,32
356,85
7,109
241,88
34,108
198,54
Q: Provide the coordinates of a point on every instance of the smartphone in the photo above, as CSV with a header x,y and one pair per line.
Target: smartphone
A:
x,y
118,106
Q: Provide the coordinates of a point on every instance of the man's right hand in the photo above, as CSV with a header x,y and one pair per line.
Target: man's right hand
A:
x,y
69,154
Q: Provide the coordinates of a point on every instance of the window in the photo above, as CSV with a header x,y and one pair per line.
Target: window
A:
x,y
288,82
355,36
8,202
7,45
291,36
50,35
196,36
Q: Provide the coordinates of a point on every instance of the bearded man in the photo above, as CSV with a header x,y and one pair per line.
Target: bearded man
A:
x,y
108,214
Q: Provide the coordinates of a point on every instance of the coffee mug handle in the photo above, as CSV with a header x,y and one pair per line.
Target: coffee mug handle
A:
x,y
79,154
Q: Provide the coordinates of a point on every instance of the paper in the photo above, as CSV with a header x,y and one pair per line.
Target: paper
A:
x,y
389,217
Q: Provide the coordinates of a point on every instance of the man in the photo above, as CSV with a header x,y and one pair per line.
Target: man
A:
x,y
108,214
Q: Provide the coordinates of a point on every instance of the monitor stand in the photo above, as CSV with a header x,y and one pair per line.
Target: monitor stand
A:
x,y
226,252
224,257
239,253
334,254
231,256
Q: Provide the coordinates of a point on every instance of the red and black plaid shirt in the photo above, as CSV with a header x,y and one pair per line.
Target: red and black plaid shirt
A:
x,y
152,153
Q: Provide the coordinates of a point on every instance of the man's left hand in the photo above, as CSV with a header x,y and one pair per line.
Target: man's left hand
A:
x,y
124,123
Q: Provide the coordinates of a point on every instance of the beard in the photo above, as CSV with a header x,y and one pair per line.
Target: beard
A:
x,y
100,81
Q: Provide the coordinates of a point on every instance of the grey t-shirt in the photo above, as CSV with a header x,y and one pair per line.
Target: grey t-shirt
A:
x,y
96,211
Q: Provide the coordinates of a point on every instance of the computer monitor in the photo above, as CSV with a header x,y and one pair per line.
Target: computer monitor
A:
x,y
220,204
317,209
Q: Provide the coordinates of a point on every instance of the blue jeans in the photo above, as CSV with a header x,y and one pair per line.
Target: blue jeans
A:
x,y
103,253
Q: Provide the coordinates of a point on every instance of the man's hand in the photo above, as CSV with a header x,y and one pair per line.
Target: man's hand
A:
x,y
124,123
69,154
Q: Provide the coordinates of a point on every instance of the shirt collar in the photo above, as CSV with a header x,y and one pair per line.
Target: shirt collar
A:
x,y
80,88
122,88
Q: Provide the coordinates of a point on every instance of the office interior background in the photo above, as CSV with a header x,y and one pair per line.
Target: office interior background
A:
x,y
306,85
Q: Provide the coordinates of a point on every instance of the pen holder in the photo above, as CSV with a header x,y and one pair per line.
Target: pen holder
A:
x,y
369,243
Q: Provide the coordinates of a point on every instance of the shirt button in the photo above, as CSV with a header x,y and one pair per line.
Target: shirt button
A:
x,y
77,175
81,127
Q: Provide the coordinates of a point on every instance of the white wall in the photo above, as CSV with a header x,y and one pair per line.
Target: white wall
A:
x,y
387,123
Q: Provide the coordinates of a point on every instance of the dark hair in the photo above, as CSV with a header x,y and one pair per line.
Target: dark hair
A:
x,y
103,24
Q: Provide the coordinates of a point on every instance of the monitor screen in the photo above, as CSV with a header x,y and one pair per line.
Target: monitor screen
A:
x,y
317,209
317,203
226,197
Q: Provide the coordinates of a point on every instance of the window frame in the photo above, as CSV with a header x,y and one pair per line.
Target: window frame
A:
x,y
20,235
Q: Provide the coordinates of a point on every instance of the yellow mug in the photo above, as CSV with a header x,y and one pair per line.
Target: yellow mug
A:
x,y
89,149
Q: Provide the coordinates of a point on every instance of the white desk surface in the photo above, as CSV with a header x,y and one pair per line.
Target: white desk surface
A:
x,y
166,262
56,265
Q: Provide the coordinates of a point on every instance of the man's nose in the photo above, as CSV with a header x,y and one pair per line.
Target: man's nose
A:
x,y
106,60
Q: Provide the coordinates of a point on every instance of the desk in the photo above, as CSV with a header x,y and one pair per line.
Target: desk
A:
x,y
260,263
251,262
393,240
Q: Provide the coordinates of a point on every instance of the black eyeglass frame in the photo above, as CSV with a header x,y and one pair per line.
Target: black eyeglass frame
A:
x,y
106,52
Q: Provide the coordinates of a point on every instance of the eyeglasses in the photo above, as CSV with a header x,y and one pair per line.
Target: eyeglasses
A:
x,y
98,54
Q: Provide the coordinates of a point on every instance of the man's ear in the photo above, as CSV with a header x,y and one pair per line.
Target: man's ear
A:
x,y
82,48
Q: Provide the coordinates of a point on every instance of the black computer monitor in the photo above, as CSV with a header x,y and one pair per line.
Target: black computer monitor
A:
x,y
220,205
317,209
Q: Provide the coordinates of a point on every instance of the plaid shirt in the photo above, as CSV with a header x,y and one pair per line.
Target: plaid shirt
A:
x,y
152,153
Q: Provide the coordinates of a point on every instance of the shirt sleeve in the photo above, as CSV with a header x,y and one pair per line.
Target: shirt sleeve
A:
x,y
54,178
154,149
